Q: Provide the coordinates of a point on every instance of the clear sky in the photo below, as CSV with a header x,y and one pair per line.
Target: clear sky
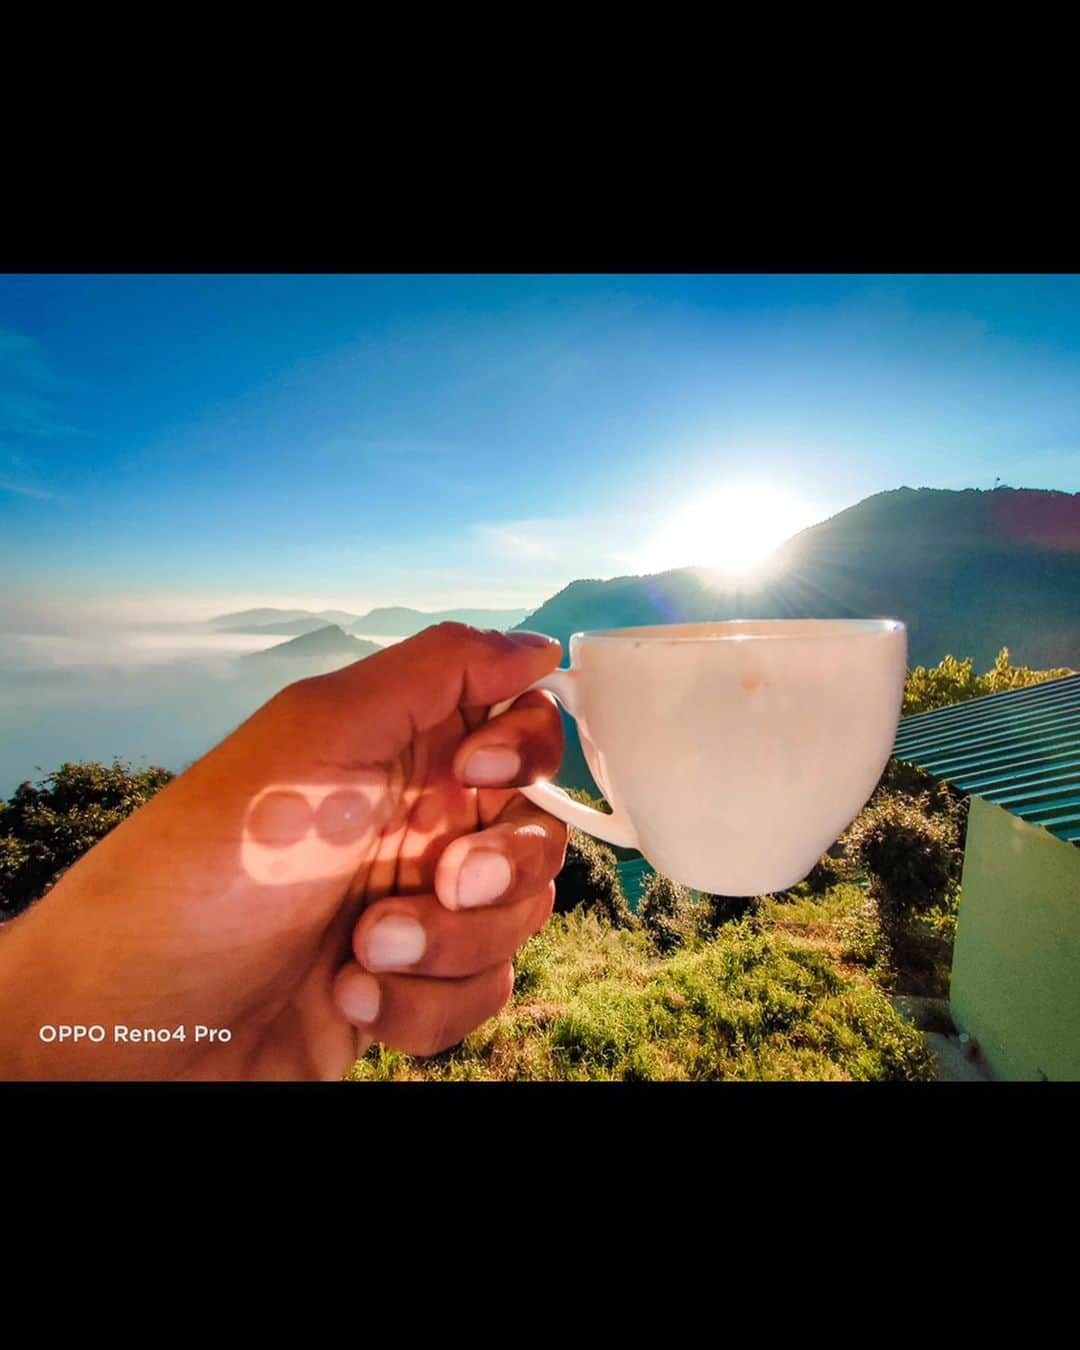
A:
x,y
187,444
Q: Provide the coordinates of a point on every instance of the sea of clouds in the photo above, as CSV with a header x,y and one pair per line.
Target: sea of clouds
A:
x,y
148,693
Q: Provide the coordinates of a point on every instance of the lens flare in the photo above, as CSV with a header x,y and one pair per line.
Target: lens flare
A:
x,y
732,531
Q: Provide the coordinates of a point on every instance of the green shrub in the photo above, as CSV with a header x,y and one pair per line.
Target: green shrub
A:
x,y
46,828
864,942
909,780
827,872
912,858
667,912
718,910
590,879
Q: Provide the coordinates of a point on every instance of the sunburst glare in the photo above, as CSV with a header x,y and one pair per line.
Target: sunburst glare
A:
x,y
732,530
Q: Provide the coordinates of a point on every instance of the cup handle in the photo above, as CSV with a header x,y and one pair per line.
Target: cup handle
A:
x,y
613,829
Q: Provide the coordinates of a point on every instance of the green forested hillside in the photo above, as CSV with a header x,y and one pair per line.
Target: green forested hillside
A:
x,y
965,571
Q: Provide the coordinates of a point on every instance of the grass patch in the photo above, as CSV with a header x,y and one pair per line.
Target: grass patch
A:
x,y
767,998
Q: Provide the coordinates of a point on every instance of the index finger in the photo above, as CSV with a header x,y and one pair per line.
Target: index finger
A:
x,y
514,858
517,747
410,687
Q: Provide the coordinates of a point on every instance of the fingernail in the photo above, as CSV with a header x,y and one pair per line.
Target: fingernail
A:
x,y
528,639
394,941
492,768
359,999
484,876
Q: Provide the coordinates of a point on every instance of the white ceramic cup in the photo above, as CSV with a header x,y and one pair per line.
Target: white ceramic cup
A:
x,y
733,754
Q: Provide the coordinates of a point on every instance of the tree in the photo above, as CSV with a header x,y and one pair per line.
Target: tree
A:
x,y
667,912
952,681
590,878
936,797
1005,676
912,857
46,828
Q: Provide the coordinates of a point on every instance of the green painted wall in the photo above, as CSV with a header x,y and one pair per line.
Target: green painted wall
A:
x,y
1016,964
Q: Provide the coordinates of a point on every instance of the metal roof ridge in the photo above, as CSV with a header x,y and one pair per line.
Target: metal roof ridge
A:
x,y
1018,749
936,723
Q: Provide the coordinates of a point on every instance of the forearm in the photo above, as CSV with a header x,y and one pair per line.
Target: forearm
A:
x,y
112,946
66,984
159,941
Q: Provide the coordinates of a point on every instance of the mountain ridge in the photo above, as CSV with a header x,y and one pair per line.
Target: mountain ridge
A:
x,y
330,641
384,620
968,572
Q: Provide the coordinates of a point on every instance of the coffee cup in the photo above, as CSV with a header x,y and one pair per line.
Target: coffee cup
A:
x,y
734,753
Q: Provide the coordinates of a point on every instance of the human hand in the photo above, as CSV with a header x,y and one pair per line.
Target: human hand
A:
x,y
351,864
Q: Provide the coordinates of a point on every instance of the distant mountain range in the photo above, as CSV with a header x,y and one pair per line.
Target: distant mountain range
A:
x,y
388,621
290,627
329,643
968,572
248,620
168,713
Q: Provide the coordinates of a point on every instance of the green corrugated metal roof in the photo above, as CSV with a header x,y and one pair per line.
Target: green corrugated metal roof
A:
x,y
633,874
1020,749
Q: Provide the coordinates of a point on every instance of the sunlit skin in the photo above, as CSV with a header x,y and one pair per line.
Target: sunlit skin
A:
x,y
253,892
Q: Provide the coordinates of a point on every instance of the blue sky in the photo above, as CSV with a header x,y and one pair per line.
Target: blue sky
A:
x,y
185,444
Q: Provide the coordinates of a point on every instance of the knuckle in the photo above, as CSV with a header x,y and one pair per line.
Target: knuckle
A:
x,y
542,746
539,910
462,638
545,903
538,701
557,832
561,837
436,1034
451,633
450,630
423,1047
527,855
543,839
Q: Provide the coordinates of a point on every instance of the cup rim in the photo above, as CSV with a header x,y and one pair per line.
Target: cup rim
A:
x,y
790,630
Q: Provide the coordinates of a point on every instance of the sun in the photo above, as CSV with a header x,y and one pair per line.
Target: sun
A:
x,y
731,530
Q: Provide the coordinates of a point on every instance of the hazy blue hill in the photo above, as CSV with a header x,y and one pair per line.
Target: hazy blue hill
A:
x,y
291,627
248,619
329,641
400,621
386,621
166,714
968,572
